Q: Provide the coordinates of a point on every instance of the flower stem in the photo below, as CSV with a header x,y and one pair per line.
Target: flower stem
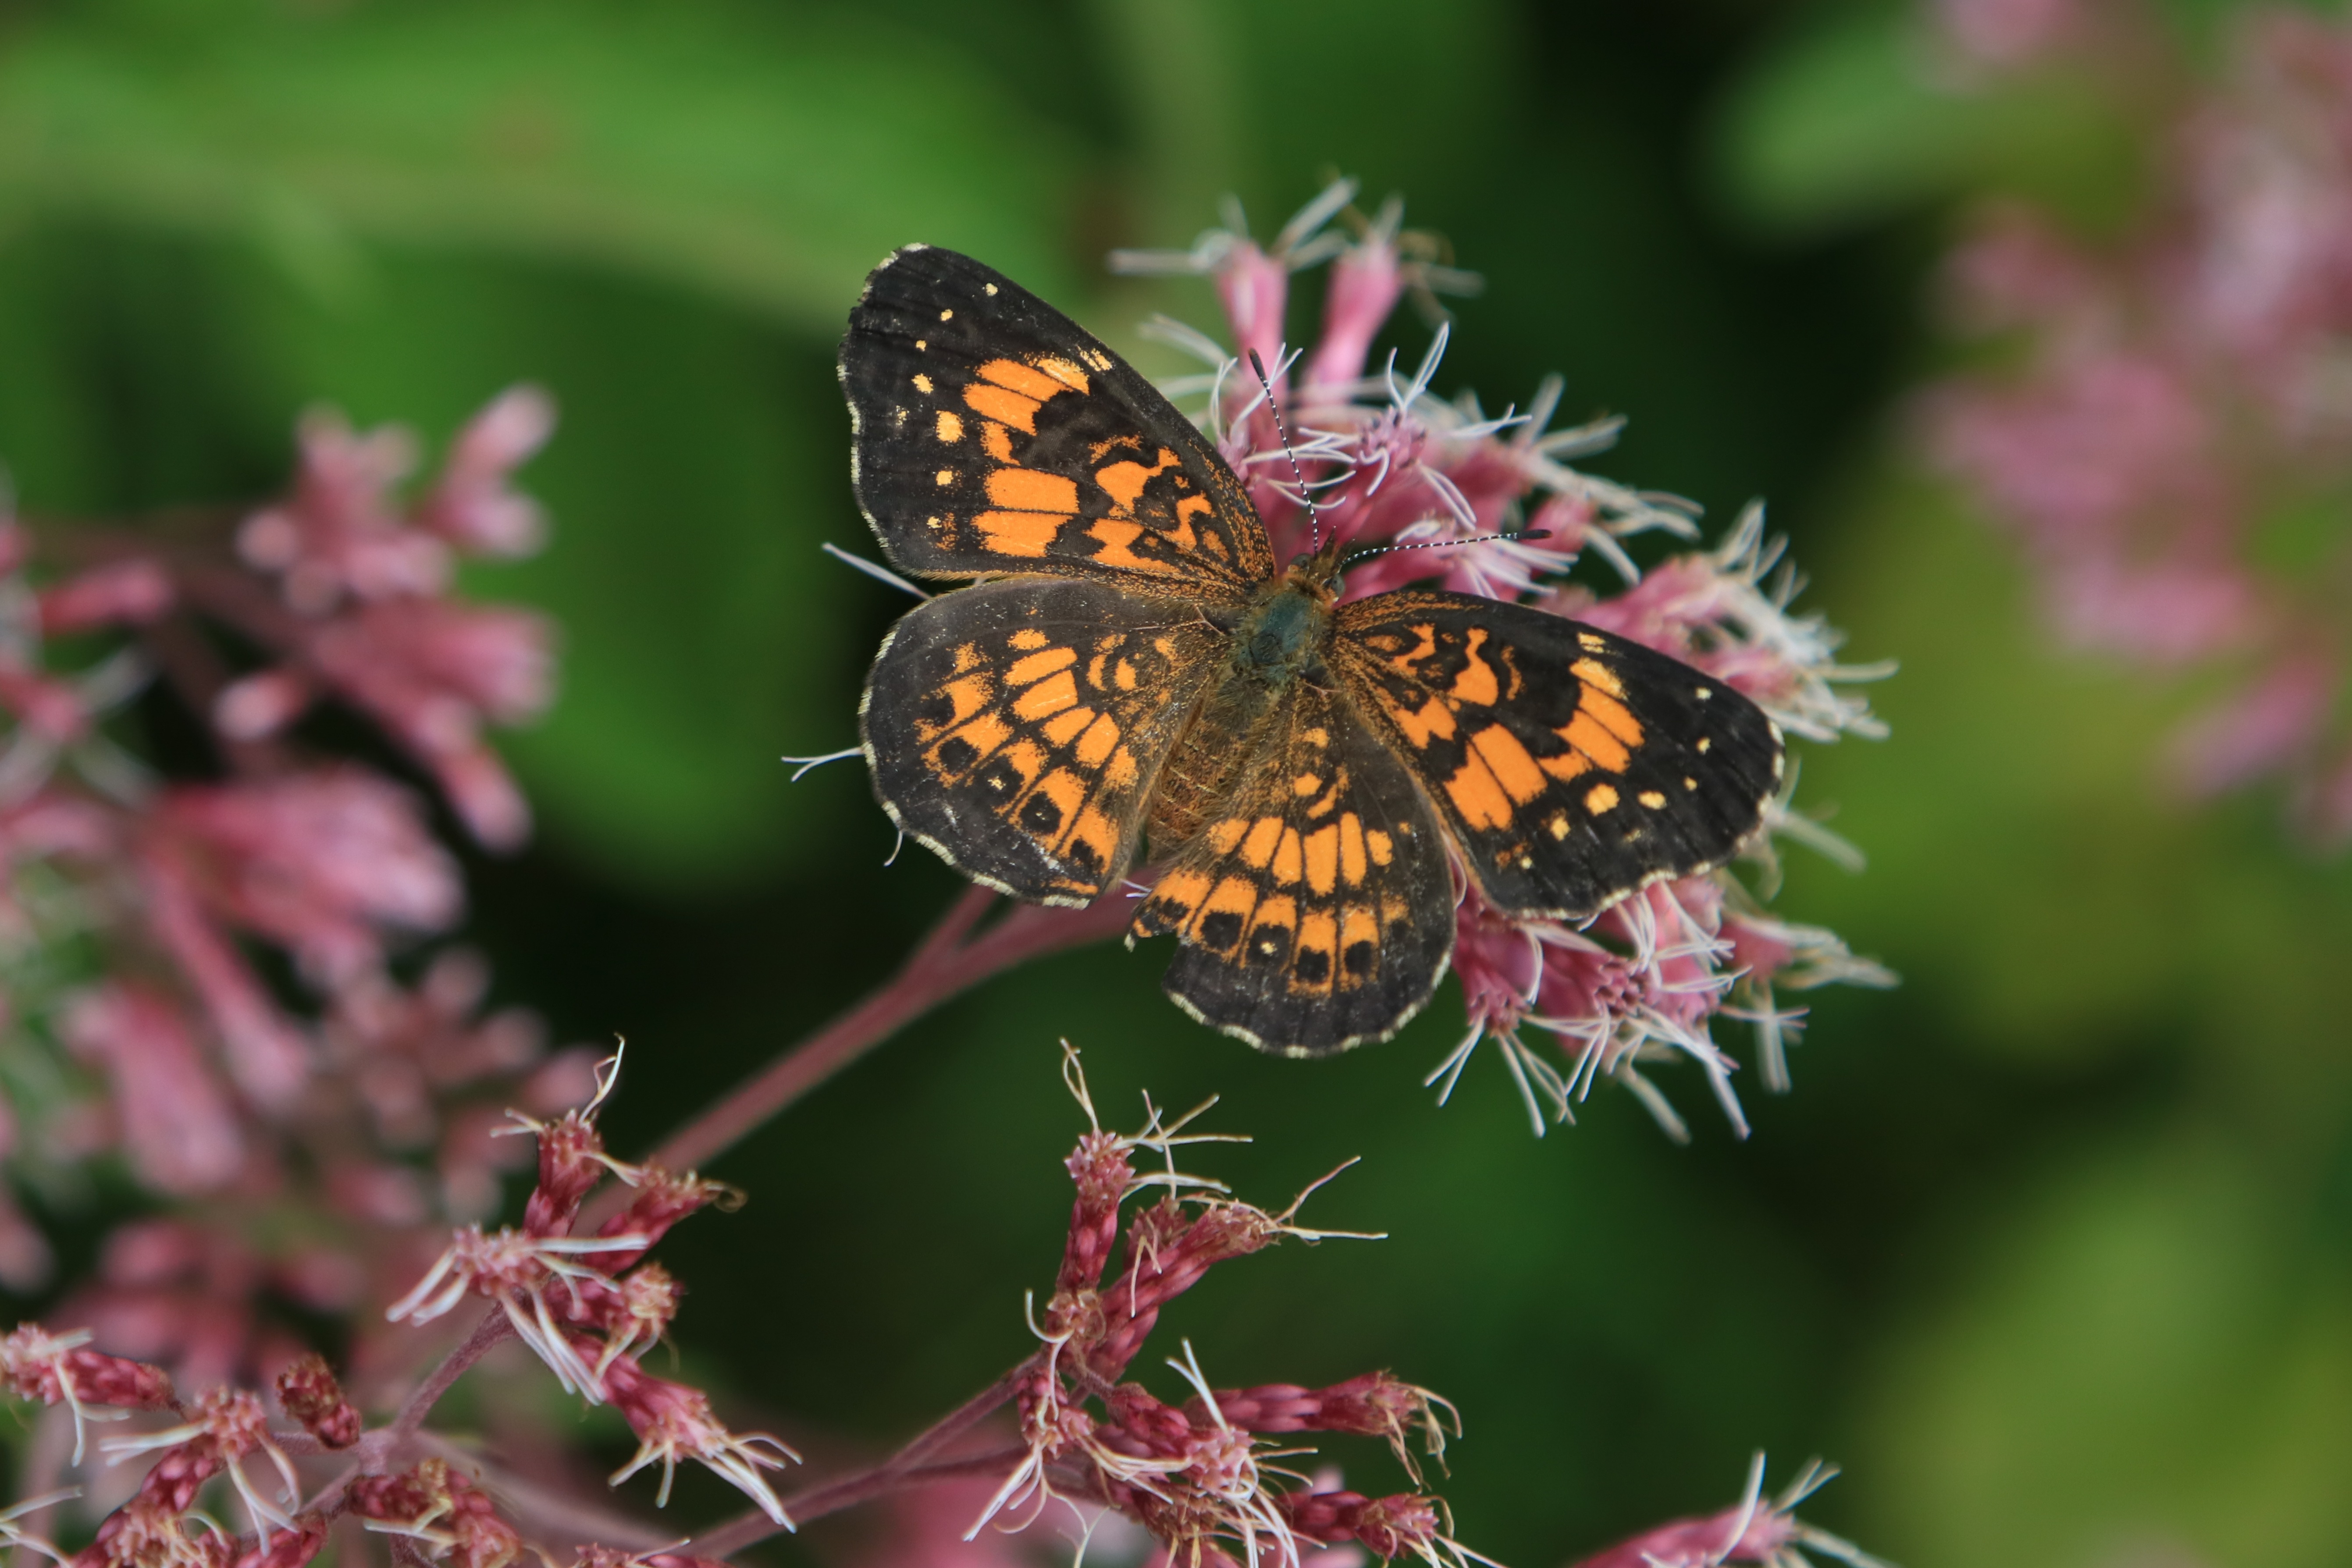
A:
x,y
487,1334
904,1467
846,1492
947,961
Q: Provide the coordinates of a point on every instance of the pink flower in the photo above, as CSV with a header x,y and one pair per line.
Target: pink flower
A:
x,y
365,580
27,1262
2183,399
225,1428
453,1520
674,1421
1378,468
2006,34
431,673
569,1300
310,1393
58,1368
2263,728
55,713
407,1049
1751,1531
324,864
341,534
122,593
1195,1476
471,506
180,1293
321,863
176,1124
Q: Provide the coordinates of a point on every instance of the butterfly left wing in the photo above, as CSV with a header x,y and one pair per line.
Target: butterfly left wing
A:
x,y
1314,909
1572,766
995,435
1015,728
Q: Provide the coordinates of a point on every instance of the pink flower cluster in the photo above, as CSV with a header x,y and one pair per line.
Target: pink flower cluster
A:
x,y
2170,434
1205,1480
1750,1530
588,1320
209,978
2003,35
589,1305
1199,1477
363,615
1388,462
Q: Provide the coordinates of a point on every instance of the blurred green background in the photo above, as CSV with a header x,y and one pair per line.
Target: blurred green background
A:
x,y
2049,1246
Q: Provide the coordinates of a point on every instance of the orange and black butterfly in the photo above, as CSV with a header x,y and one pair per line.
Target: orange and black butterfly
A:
x,y
1137,669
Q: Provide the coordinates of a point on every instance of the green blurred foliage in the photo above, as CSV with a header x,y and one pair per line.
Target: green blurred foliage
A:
x,y
2049,1246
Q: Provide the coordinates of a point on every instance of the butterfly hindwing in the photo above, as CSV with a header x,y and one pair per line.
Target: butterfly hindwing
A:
x,y
995,435
1570,766
1015,727
1314,909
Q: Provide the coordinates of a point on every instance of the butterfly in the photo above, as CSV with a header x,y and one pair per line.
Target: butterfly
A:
x,y
1134,679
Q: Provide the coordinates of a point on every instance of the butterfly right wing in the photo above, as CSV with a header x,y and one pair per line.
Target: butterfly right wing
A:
x,y
1014,728
1572,766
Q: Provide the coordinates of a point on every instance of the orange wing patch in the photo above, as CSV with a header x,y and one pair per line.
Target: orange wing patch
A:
x,y
1011,392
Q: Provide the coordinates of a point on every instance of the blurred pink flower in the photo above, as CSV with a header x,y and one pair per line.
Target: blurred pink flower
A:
x,y
406,1049
120,593
2006,34
2173,440
176,1124
364,580
1753,1530
472,505
342,534
322,863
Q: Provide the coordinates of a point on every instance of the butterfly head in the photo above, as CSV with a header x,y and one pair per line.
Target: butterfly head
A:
x,y
1317,572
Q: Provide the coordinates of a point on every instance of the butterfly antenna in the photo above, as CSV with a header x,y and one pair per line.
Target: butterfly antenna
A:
x,y
1314,522
1443,543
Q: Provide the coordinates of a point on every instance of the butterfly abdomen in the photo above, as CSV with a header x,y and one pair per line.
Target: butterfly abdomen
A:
x,y
1200,772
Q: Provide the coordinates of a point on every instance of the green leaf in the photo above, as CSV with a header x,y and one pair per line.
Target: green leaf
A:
x,y
1856,120
2136,1363
771,162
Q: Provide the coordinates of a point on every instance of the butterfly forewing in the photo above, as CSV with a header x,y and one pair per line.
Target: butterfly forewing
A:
x,y
1314,908
1015,728
995,435
1570,766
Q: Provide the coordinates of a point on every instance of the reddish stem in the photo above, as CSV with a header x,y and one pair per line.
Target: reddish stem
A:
x,y
846,1492
904,1467
487,1334
947,961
